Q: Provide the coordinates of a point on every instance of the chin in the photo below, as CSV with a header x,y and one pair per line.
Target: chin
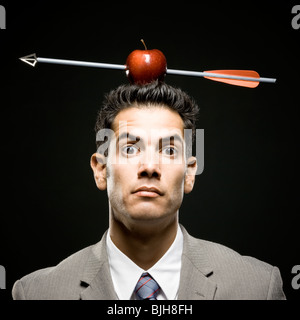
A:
x,y
149,212
146,215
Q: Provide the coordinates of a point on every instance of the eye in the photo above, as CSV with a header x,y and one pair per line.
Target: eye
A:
x,y
169,151
130,150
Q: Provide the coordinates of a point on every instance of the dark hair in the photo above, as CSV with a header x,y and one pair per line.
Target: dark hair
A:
x,y
156,92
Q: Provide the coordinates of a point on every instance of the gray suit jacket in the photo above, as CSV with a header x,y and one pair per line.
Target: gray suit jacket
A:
x,y
209,271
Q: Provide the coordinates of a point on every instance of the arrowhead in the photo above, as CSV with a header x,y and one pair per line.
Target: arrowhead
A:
x,y
30,59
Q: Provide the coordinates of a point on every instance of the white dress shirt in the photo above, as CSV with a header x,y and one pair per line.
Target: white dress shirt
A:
x,y
166,272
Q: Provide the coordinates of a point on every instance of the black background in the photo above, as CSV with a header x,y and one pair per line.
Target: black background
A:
x,y
247,196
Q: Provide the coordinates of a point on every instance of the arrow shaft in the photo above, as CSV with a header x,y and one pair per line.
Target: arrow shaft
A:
x,y
82,63
32,60
216,75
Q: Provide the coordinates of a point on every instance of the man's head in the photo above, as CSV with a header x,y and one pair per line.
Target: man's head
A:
x,y
155,93
146,172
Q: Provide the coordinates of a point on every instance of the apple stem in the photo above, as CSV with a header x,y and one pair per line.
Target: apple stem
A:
x,y
143,42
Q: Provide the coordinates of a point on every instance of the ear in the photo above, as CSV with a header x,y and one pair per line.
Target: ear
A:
x,y
98,166
189,178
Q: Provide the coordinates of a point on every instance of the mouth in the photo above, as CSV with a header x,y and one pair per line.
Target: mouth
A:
x,y
149,192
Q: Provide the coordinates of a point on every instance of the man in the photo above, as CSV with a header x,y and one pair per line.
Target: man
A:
x,y
144,164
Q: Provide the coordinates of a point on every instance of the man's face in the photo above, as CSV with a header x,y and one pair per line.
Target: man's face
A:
x,y
146,166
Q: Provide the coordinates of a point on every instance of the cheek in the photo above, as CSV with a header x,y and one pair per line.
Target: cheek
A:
x,y
118,178
175,182
112,179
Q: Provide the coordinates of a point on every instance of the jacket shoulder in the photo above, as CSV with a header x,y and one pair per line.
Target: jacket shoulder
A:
x,y
237,276
62,281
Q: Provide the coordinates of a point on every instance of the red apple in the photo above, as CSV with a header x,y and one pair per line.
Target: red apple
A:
x,y
145,66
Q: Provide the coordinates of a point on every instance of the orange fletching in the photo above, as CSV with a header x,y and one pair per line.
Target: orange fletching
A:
x,y
238,73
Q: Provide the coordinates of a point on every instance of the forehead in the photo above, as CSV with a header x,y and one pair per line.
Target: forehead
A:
x,y
148,118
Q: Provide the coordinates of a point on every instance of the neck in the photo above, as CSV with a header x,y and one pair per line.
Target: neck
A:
x,y
144,242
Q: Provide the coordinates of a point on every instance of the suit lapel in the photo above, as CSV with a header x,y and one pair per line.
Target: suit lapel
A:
x,y
101,288
97,278
194,280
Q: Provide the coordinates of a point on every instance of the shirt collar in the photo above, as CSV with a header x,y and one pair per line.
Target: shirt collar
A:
x,y
166,272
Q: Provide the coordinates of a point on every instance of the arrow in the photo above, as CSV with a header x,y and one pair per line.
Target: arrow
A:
x,y
32,59
245,78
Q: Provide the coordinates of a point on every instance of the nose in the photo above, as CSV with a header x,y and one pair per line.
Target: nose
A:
x,y
149,169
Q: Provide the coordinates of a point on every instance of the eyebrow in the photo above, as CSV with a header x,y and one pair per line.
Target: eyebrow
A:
x,y
171,139
128,136
162,140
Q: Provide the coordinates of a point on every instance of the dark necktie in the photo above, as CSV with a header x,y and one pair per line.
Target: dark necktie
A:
x,y
146,288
